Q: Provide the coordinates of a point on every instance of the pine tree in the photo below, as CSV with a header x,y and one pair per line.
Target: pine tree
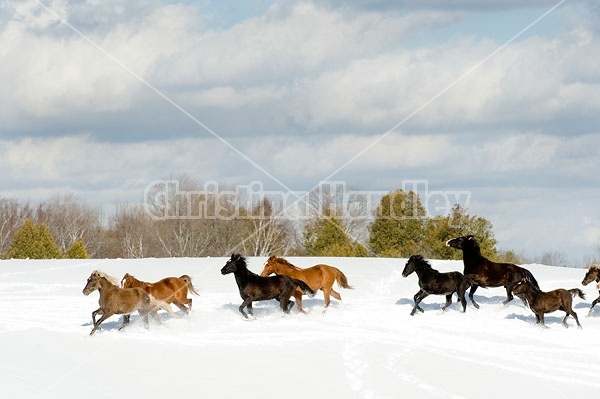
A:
x,y
398,228
77,251
458,223
33,242
326,237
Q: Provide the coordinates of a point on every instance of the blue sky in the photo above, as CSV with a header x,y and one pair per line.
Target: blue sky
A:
x,y
289,92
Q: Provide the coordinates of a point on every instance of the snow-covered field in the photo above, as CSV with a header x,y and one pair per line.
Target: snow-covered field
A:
x,y
366,347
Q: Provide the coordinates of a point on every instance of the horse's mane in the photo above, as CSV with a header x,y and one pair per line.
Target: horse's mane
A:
x,y
286,263
595,267
420,260
110,278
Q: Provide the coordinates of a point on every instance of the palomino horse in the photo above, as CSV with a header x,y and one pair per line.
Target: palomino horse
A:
x,y
482,272
114,300
318,277
253,287
171,289
545,302
593,274
433,282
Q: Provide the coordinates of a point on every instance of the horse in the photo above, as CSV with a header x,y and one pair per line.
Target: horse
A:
x,y
115,300
318,277
433,282
253,287
170,289
593,274
545,302
482,272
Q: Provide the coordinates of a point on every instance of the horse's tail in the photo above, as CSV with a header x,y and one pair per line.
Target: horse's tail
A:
x,y
156,304
529,278
188,281
577,292
304,287
341,279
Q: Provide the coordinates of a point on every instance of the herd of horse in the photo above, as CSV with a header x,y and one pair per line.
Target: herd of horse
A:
x,y
281,280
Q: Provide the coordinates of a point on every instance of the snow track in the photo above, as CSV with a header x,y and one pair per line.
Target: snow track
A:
x,y
366,347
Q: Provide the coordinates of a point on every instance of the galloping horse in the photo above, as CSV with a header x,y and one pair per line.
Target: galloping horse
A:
x,y
545,302
253,287
114,300
433,282
482,272
169,289
593,274
318,277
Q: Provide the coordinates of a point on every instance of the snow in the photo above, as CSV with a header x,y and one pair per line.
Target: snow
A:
x,y
368,346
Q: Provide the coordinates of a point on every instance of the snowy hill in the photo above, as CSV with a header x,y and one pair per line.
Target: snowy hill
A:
x,y
366,347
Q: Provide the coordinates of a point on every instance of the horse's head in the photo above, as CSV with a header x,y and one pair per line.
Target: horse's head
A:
x,y
411,265
237,262
462,242
93,283
127,281
593,274
270,266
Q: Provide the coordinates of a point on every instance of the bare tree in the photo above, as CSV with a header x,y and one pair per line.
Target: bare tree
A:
x,y
70,219
132,232
12,216
554,258
268,232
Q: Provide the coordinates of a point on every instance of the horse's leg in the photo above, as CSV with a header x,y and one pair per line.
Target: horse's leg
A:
x,y
181,307
419,296
572,313
471,292
448,301
593,304
336,294
326,292
100,320
247,303
298,296
461,295
509,295
94,314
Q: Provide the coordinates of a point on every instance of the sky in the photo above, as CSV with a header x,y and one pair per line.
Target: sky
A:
x,y
496,98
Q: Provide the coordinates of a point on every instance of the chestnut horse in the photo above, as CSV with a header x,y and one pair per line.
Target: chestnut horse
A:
x,y
433,282
593,274
482,272
114,300
170,289
318,277
545,302
253,287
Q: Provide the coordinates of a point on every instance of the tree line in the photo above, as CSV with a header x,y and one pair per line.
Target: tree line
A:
x,y
66,226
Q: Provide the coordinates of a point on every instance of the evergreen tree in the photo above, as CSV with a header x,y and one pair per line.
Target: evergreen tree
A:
x,y
398,229
33,242
77,251
326,237
458,223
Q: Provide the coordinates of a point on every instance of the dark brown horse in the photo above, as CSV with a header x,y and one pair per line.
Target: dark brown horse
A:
x,y
482,272
114,300
593,274
545,302
170,289
253,287
433,282
318,277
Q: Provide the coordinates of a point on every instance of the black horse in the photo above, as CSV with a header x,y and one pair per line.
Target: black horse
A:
x,y
482,272
256,288
433,282
593,274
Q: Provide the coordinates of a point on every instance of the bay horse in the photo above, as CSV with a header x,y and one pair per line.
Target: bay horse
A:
x,y
170,289
253,287
593,274
318,277
115,300
482,272
545,302
433,282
